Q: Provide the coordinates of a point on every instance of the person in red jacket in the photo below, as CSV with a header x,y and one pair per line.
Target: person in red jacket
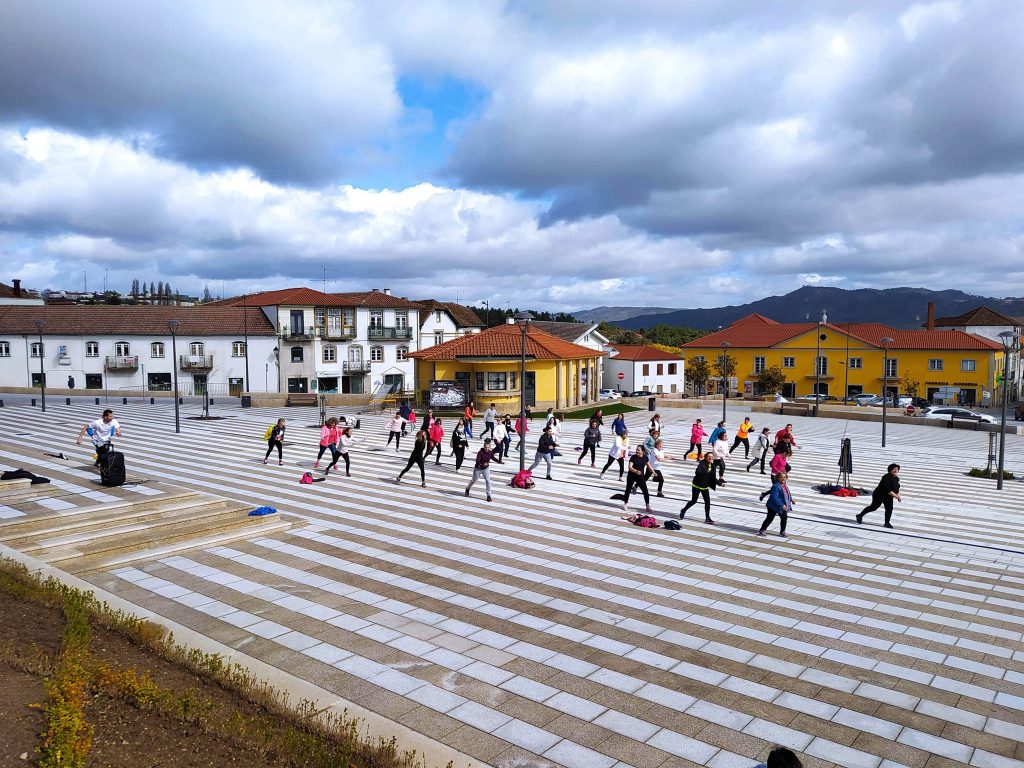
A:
x,y
783,434
469,414
436,434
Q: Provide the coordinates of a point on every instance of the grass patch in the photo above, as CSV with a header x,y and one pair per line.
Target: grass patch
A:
x,y
612,408
990,473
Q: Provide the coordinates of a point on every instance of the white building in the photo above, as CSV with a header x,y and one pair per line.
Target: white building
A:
x,y
15,295
117,348
988,323
643,368
350,343
442,321
584,335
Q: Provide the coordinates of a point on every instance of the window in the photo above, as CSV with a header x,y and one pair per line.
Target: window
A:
x,y
5,349
439,337
661,369
936,364
318,317
479,380
296,354
122,349
672,367
238,349
156,349
376,354
401,320
759,364
821,366
496,380
92,349
196,349
968,365
376,318
890,368
437,316
36,349
647,369
348,322
512,380
94,381
330,354
856,363
401,353
789,362
698,358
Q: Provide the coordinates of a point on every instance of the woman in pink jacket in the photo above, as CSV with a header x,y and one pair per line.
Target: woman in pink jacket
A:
x,y
697,435
436,434
329,437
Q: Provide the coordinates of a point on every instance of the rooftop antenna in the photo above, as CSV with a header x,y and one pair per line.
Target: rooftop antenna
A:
x,y
325,278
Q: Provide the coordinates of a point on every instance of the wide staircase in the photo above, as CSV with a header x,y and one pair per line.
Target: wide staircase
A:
x,y
108,534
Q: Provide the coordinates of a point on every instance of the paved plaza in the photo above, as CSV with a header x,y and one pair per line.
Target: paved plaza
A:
x,y
541,629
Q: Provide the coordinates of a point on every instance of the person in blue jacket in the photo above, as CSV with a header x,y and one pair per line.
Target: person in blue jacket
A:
x,y
780,502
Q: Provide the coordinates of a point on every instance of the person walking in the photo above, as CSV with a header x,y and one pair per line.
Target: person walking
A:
x,y
418,456
545,451
716,433
459,443
549,417
619,425
651,439
481,468
276,440
655,424
599,418
396,428
102,431
435,433
697,435
345,441
591,438
618,452
780,503
329,436
885,493
406,413
657,457
469,413
509,431
761,449
490,419
499,433
720,451
636,476
743,436
701,486
779,463
521,430
787,434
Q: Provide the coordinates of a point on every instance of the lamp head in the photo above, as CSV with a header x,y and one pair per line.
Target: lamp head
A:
x,y
522,318
173,325
40,324
1008,338
886,342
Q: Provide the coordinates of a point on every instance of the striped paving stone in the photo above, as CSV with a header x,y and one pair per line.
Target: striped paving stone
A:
x,y
554,632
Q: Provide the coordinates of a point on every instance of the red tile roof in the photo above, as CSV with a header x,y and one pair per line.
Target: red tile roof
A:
x,y
506,341
463,316
308,297
752,332
641,352
122,320
569,331
977,316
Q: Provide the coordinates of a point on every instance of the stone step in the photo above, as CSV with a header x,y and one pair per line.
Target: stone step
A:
x,y
65,520
9,487
244,528
31,494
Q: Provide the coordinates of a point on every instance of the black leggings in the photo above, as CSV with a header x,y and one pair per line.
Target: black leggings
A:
x,y
323,450
396,436
340,455
696,445
746,445
771,516
271,445
460,455
696,494
719,464
588,447
638,481
660,478
431,448
751,465
612,460
879,501
418,460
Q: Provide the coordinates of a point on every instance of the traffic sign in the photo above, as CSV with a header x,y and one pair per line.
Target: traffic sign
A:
x,y
621,375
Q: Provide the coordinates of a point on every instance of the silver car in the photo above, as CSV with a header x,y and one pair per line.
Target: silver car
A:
x,y
947,413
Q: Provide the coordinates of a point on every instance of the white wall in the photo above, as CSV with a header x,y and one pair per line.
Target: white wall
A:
x,y
634,378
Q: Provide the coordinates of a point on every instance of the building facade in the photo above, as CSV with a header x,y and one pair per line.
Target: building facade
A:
x,y
132,348
988,323
583,334
843,360
644,368
442,321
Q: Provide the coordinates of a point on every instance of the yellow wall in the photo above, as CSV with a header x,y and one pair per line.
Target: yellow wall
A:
x,y
557,381
868,377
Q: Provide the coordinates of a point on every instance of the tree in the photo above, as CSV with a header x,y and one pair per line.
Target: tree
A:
x,y
698,371
911,386
152,292
725,368
770,380
168,296
206,294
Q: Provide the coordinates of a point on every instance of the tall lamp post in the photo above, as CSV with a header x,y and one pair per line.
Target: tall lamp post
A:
x,y
245,337
886,342
725,375
1009,339
817,363
42,359
173,326
523,321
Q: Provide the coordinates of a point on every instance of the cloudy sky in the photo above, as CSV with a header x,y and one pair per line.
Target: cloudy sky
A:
x,y
545,153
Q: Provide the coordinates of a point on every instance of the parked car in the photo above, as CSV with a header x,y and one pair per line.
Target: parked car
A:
x,y
866,398
639,393
812,397
948,414
608,394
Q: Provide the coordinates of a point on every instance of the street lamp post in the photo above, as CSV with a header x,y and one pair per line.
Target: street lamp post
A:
x,y
173,326
886,341
245,336
1009,339
42,360
523,321
817,364
725,375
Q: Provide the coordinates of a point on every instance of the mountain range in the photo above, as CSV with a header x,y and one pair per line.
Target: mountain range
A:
x,y
898,307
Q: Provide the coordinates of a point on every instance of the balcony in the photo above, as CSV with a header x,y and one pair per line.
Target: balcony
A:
x,y
341,334
358,366
121,363
299,333
379,332
195,362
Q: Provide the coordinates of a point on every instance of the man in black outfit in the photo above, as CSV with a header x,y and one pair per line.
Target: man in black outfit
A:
x,y
887,490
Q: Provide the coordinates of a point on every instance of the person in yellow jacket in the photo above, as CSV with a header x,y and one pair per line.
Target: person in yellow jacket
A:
x,y
743,436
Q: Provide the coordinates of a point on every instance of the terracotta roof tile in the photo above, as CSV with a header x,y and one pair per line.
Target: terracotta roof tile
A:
x,y
641,352
463,316
977,316
506,341
564,331
308,297
122,320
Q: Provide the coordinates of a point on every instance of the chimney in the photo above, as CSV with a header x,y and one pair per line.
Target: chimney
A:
x,y
931,316
17,287
387,291
510,321
375,290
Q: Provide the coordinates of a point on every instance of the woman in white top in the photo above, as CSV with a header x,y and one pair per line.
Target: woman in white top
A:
x,y
657,456
618,452
345,441
500,434
720,450
395,427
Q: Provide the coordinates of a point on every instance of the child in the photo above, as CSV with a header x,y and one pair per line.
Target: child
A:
x,y
276,440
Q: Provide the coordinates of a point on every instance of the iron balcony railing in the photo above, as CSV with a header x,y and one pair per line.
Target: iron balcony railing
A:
x,y
299,333
121,362
358,366
195,362
380,332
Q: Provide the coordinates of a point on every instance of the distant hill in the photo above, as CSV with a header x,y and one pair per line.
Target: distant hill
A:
x,y
899,307
615,314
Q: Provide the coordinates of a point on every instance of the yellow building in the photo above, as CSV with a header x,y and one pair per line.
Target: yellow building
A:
x,y
851,358
485,366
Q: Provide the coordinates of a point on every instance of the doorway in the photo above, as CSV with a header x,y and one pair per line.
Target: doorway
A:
x,y
297,385
296,318
199,383
530,390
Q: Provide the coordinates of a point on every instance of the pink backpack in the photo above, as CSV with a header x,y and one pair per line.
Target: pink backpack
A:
x,y
307,479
